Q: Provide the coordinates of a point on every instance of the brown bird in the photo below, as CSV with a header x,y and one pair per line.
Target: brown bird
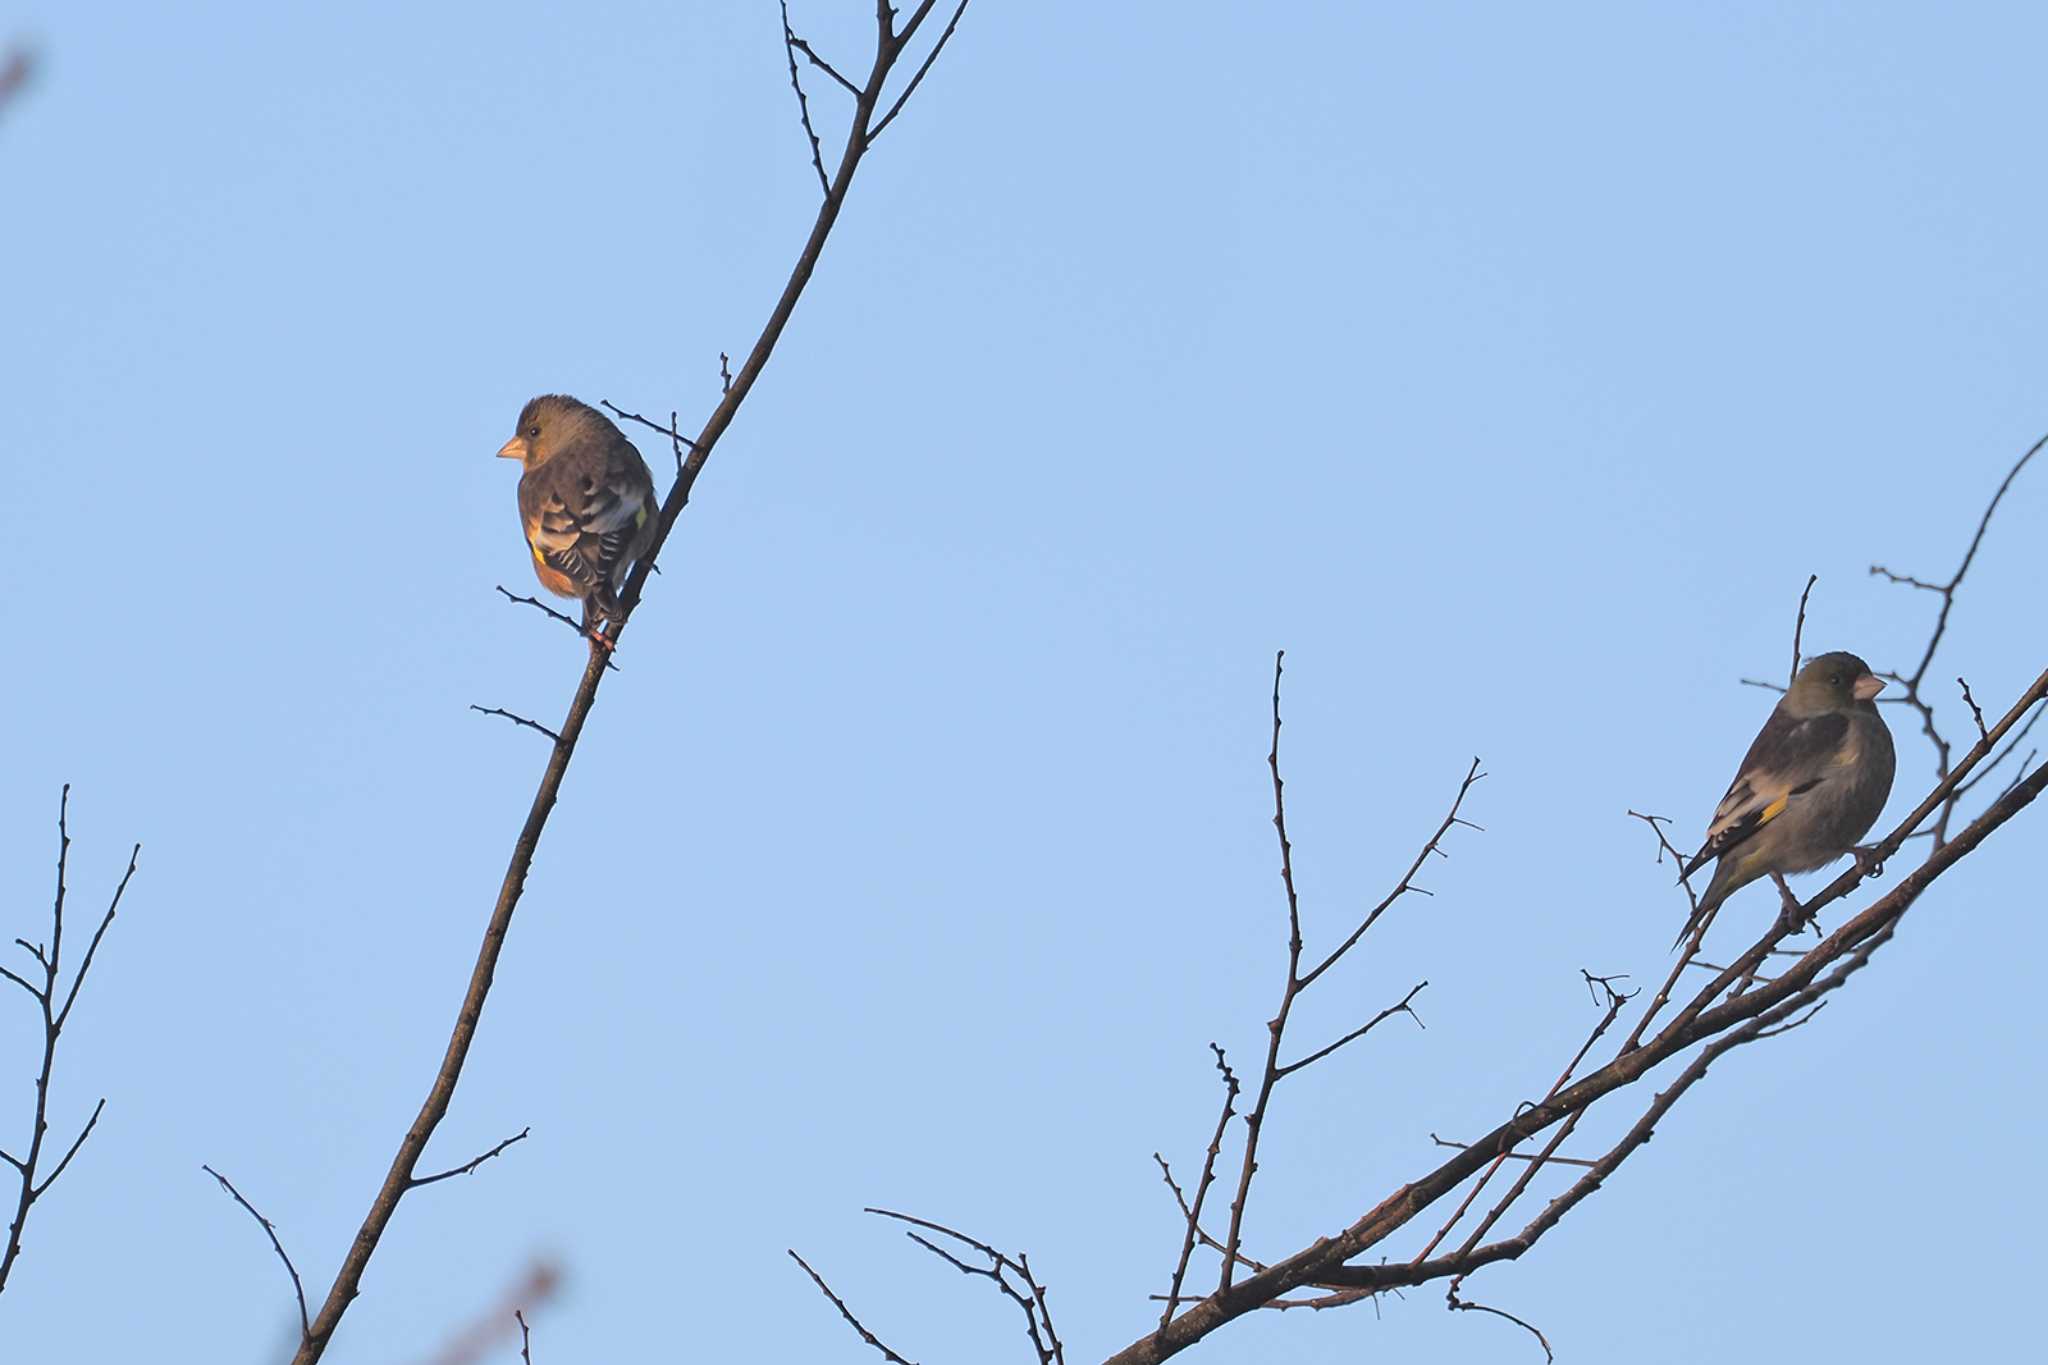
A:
x,y
1812,784
586,502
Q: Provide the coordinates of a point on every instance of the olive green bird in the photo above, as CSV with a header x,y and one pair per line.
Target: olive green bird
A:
x,y
586,502
1812,784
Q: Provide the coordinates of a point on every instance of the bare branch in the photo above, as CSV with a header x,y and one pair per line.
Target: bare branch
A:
x,y
1402,1007
1407,882
398,1179
1798,630
1027,1293
70,1151
1712,1020
677,441
865,1335
1458,1305
1998,760
516,720
818,61
1516,1156
270,1230
53,1017
929,58
571,622
1911,685
466,1167
1976,712
1194,1212
1201,1233
1275,1027
803,103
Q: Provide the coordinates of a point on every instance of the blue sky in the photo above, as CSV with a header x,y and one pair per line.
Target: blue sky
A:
x,y
1510,368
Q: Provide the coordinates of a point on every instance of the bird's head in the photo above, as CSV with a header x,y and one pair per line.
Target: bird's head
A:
x,y
547,424
1833,682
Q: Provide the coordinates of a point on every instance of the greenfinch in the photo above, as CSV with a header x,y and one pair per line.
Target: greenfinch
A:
x,y
586,502
1811,785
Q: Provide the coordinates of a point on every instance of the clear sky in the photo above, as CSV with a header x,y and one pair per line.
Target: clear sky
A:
x,y
1510,366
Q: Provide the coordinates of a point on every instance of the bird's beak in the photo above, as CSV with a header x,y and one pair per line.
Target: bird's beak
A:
x,y
515,449
1867,686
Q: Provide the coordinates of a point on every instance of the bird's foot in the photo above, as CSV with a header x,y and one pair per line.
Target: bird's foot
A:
x,y
1868,863
599,642
1792,914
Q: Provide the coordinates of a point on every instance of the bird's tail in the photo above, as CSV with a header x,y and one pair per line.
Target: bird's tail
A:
x,y
1736,869
1703,913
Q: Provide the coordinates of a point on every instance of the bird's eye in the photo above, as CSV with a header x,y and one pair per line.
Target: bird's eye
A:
x,y
533,433
1834,680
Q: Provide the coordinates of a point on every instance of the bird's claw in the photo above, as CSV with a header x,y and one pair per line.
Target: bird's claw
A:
x,y
1868,863
1792,914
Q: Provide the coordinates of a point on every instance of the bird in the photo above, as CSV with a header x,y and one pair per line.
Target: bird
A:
x,y
586,503
1813,783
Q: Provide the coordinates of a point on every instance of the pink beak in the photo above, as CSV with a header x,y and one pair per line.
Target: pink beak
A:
x,y
1867,686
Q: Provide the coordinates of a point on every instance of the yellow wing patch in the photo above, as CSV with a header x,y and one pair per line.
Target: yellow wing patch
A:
x,y
1773,811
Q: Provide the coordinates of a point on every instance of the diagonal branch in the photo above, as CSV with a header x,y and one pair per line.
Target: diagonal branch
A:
x,y
1298,981
1912,687
803,106
399,1179
466,1167
1026,1292
270,1230
1403,1006
929,58
28,1166
1209,1158
858,1326
516,720
1718,1023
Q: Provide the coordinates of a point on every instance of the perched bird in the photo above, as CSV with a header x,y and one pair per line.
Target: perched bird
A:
x,y
1811,785
586,501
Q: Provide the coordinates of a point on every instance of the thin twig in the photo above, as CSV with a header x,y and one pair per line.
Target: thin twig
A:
x,y
516,720
929,58
1208,1178
1458,1305
818,61
858,1326
1202,1234
270,1230
466,1167
1798,630
569,621
803,103
1976,712
1255,1119
1403,1007
1029,1298
1516,1156
1911,686
54,1016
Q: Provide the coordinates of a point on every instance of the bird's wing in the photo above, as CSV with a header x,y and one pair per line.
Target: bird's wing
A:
x,y
581,521
1787,760
617,492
